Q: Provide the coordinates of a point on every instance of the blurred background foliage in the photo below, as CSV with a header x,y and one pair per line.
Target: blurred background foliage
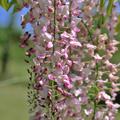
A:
x,y
13,75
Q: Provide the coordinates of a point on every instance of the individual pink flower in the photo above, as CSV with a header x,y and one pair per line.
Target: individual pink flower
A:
x,y
51,77
111,67
66,81
97,57
49,45
88,112
111,47
111,105
113,77
75,43
103,96
65,35
77,92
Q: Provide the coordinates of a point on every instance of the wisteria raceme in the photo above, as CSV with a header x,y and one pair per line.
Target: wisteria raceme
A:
x,y
71,60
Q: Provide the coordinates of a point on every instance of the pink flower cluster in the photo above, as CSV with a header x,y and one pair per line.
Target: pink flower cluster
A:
x,y
71,61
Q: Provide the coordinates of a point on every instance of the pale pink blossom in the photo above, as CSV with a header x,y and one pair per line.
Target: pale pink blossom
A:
x,y
97,57
74,43
70,60
103,96
113,77
111,67
88,112
49,45
103,38
111,105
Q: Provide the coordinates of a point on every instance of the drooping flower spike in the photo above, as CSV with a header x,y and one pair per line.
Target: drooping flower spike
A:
x,y
70,60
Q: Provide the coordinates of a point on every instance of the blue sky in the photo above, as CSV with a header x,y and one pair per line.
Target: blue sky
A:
x,y
5,17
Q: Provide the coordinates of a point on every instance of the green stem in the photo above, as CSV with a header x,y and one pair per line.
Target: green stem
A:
x,y
94,112
70,11
54,26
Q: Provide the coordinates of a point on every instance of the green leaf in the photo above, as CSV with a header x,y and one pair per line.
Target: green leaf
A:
x,y
108,84
102,3
93,92
117,28
104,30
5,4
99,20
110,7
18,4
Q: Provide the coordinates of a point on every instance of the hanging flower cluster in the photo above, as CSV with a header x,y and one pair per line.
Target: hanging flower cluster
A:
x,y
70,56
